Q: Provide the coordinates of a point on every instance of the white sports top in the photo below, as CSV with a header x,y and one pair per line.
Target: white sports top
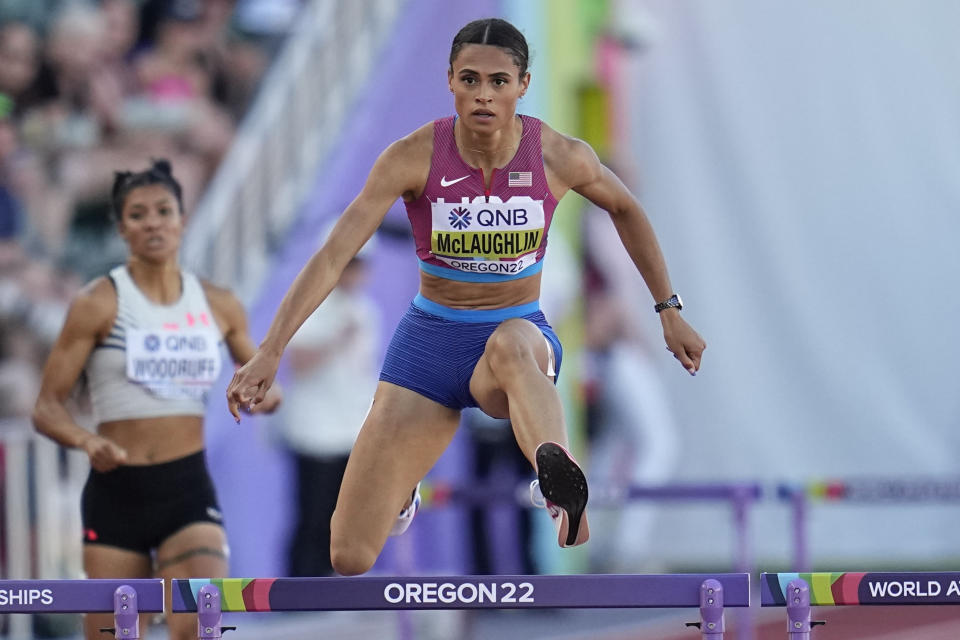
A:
x,y
159,360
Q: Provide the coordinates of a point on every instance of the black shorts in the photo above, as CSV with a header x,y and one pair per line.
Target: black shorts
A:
x,y
138,507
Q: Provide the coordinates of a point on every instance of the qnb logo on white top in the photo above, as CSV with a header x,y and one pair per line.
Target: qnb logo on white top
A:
x,y
173,363
463,593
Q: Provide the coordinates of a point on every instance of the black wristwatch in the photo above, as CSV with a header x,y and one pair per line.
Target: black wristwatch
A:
x,y
673,302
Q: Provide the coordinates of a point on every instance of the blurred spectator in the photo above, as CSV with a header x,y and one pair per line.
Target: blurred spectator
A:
x,y
237,59
19,58
335,366
122,24
232,59
19,64
21,359
176,78
71,129
11,210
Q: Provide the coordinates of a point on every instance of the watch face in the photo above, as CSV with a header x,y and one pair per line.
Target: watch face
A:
x,y
679,302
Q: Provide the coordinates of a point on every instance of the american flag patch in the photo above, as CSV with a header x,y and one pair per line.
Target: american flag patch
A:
x,y
520,179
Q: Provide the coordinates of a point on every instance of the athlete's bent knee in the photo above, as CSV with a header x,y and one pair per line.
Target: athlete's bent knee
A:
x,y
506,349
351,559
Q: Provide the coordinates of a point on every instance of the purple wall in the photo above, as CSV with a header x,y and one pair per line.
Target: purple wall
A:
x,y
407,88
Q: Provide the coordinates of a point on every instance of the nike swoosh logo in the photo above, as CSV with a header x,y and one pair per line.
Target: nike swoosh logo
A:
x,y
446,183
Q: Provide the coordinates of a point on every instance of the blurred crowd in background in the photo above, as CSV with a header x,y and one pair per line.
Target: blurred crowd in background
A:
x,y
88,88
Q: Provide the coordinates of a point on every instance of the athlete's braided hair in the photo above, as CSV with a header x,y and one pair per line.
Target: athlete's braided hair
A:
x,y
496,32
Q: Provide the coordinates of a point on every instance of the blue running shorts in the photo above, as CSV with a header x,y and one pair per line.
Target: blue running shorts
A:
x,y
435,348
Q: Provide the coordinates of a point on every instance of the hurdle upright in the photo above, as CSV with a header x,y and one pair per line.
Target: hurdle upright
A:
x,y
125,598
798,592
711,593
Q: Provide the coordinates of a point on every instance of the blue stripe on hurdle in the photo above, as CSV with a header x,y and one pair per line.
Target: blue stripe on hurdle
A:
x,y
76,596
468,592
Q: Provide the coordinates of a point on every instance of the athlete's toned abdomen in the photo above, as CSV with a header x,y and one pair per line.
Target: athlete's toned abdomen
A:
x,y
480,295
155,440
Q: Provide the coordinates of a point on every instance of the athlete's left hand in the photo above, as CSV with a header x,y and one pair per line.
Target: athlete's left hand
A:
x,y
270,402
683,342
252,382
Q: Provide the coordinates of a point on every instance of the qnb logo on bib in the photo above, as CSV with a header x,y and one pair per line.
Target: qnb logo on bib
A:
x,y
151,342
173,364
459,218
488,236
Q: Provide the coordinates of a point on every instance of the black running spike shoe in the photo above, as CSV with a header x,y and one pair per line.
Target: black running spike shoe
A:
x,y
564,489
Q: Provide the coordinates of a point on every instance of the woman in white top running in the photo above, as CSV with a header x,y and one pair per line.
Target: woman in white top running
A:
x,y
147,340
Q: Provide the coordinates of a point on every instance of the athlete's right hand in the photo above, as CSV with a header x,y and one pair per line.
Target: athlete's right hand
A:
x,y
105,455
251,382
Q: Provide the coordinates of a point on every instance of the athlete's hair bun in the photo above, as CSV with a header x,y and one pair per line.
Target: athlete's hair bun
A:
x,y
119,177
163,166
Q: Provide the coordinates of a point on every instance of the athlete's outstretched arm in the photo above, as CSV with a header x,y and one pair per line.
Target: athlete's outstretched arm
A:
x,y
399,170
577,166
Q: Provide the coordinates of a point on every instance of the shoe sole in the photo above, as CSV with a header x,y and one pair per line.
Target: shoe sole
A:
x,y
562,482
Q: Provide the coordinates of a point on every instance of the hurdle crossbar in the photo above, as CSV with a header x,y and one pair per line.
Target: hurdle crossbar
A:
x,y
710,592
462,592
124,598
77,596
443,494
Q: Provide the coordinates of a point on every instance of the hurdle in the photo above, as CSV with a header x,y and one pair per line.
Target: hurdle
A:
x,y
739,495
124,598
711,593
877,491
798,592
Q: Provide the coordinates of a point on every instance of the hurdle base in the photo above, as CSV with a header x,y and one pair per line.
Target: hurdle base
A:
x,y
113,632
706,633
208,633
711,610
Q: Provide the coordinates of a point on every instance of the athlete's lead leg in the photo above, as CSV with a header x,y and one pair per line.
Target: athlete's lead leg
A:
x,y
514,379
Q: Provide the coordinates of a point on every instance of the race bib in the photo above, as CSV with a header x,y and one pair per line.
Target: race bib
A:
x,y
488,236
173,363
